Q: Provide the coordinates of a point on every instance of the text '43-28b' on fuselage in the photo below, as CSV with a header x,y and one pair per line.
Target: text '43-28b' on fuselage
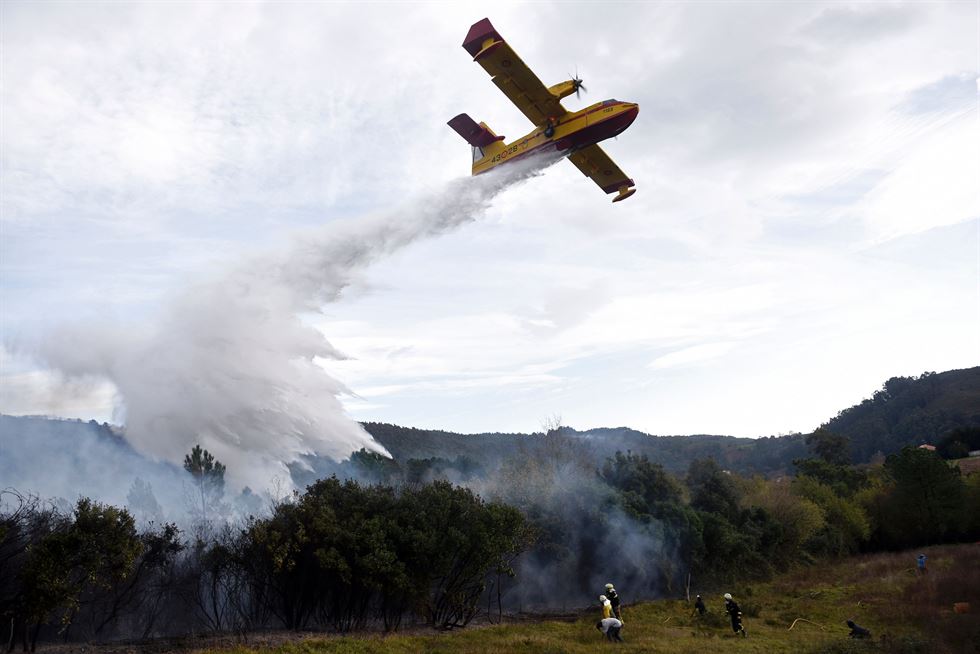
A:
x,y
556,128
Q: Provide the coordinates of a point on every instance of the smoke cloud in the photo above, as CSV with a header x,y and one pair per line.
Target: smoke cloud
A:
x,y
585,539
230,362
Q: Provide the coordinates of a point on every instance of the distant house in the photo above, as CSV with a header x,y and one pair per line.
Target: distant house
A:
x,y
974,453
931,448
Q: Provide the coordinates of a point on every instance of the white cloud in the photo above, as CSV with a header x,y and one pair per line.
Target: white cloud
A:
x,y
692,355
936,182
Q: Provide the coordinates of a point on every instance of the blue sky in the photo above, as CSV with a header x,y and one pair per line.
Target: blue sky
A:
x,y
806,222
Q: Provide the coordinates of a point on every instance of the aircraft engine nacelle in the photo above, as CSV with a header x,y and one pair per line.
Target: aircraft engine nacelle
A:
x,y
565,89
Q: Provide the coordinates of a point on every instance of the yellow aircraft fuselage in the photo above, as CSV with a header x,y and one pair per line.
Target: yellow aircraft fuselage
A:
x,y
571,132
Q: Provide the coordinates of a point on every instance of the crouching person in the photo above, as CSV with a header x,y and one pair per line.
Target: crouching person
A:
x,y
857,631
611,628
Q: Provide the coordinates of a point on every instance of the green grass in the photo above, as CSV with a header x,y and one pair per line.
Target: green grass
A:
x,y
906,612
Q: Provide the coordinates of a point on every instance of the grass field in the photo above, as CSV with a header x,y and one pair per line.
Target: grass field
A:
x,y
905,611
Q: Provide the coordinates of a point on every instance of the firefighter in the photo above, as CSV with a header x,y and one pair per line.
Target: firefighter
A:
x,y
857,631
606,607
699,606
735,613
614,599
610,627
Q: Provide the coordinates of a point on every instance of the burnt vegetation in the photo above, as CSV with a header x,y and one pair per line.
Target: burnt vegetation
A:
x,y
333,558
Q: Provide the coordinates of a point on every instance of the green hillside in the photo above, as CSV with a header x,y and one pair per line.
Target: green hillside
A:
x,y
910,411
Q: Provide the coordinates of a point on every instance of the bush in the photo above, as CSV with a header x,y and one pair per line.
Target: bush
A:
x,y
345,552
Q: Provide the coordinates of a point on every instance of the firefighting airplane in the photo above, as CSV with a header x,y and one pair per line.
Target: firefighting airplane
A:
x,y
555,127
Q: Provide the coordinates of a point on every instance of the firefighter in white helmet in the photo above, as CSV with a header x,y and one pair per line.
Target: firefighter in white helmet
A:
x,y
606,607
735,613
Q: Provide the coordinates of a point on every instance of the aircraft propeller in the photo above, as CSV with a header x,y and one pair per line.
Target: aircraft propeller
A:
x,y
577,84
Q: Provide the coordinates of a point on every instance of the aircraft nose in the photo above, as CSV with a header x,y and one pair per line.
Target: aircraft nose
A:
x,y
632,109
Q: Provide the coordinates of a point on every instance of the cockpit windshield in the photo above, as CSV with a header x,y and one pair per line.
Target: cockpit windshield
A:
x,y
477,154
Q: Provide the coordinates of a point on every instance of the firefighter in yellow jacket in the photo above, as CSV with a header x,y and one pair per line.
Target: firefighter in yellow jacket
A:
x,y
606,607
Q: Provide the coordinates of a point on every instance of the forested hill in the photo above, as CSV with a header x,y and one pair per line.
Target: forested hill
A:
x,y
910,411
905,411
675,453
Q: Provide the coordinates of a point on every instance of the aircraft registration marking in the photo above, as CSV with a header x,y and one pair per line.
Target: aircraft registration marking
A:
x,y
500,156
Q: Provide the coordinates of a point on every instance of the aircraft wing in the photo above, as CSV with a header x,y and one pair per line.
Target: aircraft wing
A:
x,y
511,75
595,163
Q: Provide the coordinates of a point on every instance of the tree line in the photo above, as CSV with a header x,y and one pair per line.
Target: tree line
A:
x,y
334,557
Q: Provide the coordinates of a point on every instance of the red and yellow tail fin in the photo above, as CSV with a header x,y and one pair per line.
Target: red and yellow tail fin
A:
x,y
484,142
477,135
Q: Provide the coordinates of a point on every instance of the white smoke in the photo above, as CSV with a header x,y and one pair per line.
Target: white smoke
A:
x,y
230,363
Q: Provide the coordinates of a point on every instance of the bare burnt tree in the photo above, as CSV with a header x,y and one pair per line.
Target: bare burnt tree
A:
x,y
24,522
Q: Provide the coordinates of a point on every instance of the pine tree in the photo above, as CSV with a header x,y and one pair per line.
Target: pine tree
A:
x,y
209,477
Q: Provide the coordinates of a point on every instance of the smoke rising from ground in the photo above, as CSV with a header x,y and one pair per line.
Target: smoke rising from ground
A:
x,y
584,539
230,363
